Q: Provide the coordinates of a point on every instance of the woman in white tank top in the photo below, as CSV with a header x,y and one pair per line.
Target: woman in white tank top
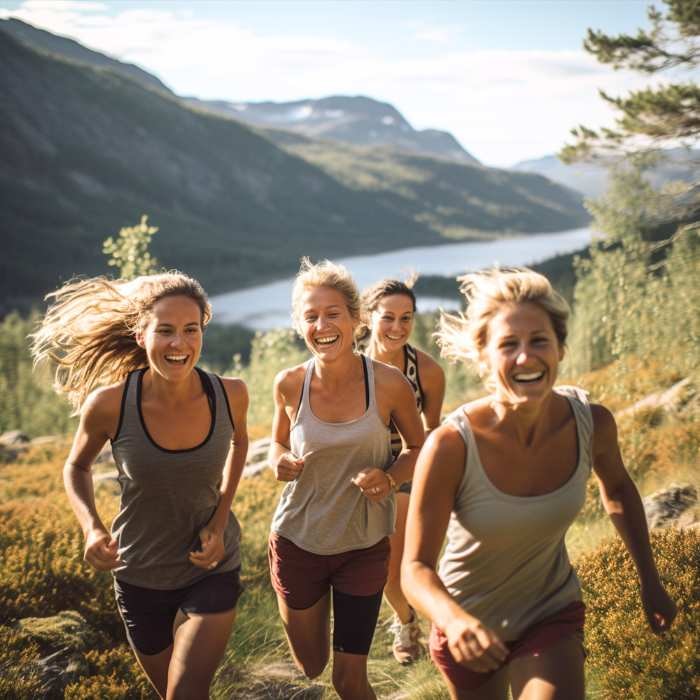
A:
x,y
331,444
508,474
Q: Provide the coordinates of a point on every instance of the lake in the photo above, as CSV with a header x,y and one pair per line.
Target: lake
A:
x,y
268,305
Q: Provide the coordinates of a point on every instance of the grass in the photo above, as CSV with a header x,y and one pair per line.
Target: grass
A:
x,y
42,573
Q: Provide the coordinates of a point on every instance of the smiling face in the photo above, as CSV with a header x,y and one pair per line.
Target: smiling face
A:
x,y
392,322
172,337
326,323
522,353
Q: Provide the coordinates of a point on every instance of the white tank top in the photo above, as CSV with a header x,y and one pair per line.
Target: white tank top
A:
x,y
322,511
505,561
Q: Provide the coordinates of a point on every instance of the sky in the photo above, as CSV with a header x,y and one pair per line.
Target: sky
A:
x,y
508,78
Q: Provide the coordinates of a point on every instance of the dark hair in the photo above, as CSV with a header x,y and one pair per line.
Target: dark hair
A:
x,y
373,295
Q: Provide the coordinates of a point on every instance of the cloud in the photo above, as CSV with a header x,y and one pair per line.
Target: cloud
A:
x,y
503,105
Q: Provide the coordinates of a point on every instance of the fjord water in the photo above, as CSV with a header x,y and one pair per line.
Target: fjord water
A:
x,y
267,306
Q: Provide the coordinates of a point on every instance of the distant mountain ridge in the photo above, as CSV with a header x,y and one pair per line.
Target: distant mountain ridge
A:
x,y
357,120
54,44
88,149
591,179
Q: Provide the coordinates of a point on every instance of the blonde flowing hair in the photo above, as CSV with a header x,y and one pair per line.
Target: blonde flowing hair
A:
x,y
464,336
89,330
324,274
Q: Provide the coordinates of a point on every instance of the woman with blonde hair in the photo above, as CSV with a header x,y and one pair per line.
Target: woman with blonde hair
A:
x,y
126,355
331,444
388,311
508,473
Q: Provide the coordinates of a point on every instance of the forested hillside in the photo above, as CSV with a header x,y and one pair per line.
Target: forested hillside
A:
x,y
87,150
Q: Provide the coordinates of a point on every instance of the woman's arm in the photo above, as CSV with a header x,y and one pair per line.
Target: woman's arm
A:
x,y
212,535
287,467
438,474
624,506
98,419
432,379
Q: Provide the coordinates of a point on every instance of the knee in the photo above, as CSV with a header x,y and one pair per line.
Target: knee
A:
x,y
349,684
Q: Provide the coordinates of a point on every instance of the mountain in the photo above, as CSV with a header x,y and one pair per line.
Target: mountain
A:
x,y
87,150
591,179
68,48
356,120
459,201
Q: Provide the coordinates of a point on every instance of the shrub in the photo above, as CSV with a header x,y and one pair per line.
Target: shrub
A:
x,y
628,660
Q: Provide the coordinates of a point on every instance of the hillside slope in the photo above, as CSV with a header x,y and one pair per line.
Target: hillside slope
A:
x,y
87,150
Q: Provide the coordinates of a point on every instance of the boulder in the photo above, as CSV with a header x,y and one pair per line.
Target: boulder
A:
x,y
63,640
675,505
13,438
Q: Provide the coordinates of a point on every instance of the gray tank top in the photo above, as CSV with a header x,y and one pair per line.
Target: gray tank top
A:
x,y
167,496
505,561
322,511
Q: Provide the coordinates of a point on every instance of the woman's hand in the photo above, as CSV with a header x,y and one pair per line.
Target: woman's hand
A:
x,y
475,646
288,467
101,550
373,483
659,609
212,551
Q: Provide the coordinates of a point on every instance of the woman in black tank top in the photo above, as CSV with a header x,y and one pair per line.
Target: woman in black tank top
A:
x,y
127,354
388,309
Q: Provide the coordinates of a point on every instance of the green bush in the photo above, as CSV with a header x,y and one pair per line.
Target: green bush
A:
x,y
626,658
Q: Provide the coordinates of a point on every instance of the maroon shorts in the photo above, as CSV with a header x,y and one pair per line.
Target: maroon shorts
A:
x,y
303,578
568,622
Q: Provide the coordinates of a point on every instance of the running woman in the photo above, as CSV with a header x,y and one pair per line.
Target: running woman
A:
x,y
331,443
388,309
127,357
508,473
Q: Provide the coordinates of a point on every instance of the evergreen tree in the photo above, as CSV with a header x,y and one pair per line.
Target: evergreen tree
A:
x,y
657,116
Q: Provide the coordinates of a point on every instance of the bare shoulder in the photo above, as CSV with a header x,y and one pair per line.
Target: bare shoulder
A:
x,y
604,425
446,440
428,366
288,381
236,390
387,375
100,411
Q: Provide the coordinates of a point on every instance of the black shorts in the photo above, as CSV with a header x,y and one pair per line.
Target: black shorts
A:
x,y
148,613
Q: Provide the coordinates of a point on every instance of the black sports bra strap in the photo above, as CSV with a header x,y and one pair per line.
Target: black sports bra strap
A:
x,y
364,369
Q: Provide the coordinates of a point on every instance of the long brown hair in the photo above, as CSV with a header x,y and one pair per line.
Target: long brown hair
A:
x,y
89,330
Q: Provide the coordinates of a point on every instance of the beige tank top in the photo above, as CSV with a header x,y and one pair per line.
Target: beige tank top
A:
x,y
505,561
323,511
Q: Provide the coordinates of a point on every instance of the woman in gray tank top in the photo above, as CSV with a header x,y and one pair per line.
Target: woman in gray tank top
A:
x,y
505,476
179,440
388,309
331,444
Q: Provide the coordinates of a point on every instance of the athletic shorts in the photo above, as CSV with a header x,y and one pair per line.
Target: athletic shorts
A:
x,y
148,613
568,622
357,578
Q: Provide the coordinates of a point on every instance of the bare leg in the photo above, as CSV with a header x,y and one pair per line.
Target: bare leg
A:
x,y
554,674
392,590
308,634
155,666
496,688
350,677
200,643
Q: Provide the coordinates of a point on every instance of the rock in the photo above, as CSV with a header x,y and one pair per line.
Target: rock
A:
x,y
670,506
13,438
46,440
63,639
670,401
